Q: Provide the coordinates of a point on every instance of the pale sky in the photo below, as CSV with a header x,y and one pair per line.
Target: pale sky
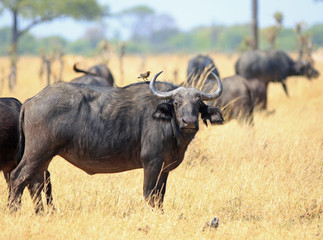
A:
x,y
190,14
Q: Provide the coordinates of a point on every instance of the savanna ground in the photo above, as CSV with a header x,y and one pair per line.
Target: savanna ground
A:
x,y
263,182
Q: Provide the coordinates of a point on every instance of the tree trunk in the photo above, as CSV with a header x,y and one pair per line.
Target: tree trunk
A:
x,y
48,70
13,51
121,55
2,79
254,25
300,46
61,66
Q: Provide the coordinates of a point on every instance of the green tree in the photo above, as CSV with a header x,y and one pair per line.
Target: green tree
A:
x,y
29,45
287,40
231,37
51,43
36,12
79,47
317,34
4,39
139,18
163,28
88,44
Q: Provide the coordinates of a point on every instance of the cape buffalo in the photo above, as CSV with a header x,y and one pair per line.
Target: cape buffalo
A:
x,y
110,130
198,67
9,134
9,137
13,103
272,66
259,91
96,75
236,100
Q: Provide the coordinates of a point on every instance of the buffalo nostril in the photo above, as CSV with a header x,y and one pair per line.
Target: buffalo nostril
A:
x,y
190,122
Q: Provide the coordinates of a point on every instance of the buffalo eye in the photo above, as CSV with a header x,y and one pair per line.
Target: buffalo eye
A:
x,y
197,100
176,103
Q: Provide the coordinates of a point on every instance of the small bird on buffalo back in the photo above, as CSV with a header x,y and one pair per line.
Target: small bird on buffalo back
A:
x,y
145,75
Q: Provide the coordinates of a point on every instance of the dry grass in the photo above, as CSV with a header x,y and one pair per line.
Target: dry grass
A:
x,y
263,182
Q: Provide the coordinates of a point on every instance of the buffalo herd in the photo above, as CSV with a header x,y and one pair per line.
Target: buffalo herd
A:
x,y
101,128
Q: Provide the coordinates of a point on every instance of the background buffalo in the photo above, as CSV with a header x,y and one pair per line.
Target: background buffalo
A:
x,y
272,66
9,138
96,75
236,101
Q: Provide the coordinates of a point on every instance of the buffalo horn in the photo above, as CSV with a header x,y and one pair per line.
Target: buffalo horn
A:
x,y
204,96
155,92
217,93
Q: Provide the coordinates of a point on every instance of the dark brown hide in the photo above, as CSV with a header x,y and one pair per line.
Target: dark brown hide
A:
x,y
9,138
109,130
237,99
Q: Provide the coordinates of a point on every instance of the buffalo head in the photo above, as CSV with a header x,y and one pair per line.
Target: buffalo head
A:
x,y
302,68
306,69
185,104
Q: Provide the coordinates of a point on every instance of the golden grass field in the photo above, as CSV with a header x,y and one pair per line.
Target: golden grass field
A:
x,y
263,182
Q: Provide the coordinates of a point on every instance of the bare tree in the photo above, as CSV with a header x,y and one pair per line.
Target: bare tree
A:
x,y
60,57
246,44
309,49
104,51
143,62
279,18
300,39
272,32
46,65
175,72
122,52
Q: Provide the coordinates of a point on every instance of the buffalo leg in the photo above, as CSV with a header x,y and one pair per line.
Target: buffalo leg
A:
x,y
264,99
7,177
48,189
35,187
18,182
41,182
29,172
154,185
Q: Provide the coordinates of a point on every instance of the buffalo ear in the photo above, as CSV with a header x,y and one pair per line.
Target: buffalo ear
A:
x,y
212,114
164,111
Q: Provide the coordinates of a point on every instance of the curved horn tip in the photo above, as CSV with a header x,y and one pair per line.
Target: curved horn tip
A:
x,y
214,75
217,93
161,95
219,81
158,73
